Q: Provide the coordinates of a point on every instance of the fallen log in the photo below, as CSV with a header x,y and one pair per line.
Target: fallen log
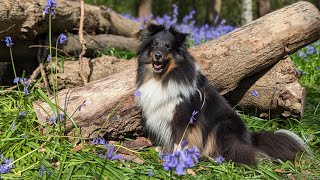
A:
x,y
25,19
98,42
274,92
226,61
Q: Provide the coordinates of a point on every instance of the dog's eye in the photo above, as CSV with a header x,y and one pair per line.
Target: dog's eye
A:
x,y
168,46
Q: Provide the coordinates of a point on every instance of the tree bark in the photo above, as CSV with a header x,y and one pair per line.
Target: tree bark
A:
x,y
226,61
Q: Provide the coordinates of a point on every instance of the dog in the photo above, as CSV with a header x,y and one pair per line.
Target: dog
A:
x,y
178,102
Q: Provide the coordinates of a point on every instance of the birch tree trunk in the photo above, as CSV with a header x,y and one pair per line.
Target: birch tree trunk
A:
x,y
246,12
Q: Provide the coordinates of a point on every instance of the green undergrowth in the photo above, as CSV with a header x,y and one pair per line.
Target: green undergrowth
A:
x,y
116,53
36,147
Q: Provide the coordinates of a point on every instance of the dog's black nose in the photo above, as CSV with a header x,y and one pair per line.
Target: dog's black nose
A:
x,y
158,55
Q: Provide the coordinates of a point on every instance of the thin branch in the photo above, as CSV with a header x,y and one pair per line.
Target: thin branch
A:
x,y
82,42
7,29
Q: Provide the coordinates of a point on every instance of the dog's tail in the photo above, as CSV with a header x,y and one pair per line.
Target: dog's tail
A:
x,y
281,144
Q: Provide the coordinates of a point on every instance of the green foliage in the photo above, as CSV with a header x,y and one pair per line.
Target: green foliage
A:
x,y
307,61
66,157
111,51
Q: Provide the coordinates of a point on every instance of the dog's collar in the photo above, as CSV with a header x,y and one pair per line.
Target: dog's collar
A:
x,y
202,98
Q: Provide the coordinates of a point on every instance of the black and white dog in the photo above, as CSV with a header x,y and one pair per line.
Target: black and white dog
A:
x,y
173,90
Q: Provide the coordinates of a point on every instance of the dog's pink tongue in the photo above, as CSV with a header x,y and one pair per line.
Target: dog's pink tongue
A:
x,y
158,66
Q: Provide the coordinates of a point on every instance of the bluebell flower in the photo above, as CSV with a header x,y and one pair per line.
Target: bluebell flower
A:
x,y
50,7
23,113
184,144
53,120
25,90
9,42
26,82
255,93
311,50
5,166
43,169
110,154
317,68
137,93
150,173
17,80
302,54
63,38
13,126
219,159
192,118
180,160
48,58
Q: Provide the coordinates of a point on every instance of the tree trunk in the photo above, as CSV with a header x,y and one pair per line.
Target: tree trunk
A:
x,y
144,9
263,7
246,12
226,61
213,10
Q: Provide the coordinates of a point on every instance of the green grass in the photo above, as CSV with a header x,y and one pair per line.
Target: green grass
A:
x,y
32,144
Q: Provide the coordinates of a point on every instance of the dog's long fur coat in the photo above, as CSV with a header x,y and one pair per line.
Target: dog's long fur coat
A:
x,y
173,89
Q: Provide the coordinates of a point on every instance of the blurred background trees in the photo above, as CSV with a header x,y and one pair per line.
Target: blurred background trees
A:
x,y
236,12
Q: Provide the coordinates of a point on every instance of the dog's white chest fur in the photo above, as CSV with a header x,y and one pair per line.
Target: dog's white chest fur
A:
x,y
158,105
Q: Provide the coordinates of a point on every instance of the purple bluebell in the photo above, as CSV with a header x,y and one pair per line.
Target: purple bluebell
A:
x,y
48,58
63,38
17,80
25,90
180,160
192,118
255,93
50,7
184,144
13,126
317,68
43,169
311,50
26,82
219,159
5,166
302,54
23,113
150,173
110,153
198,34
53,119
137,93
8,41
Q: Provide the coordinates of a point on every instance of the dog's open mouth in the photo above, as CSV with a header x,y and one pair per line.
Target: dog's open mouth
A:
x,y
158,67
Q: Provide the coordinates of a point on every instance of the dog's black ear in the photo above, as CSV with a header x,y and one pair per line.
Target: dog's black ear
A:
x,y
181,37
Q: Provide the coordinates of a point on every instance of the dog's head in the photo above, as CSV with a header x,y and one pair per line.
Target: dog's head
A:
x,y
159,46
